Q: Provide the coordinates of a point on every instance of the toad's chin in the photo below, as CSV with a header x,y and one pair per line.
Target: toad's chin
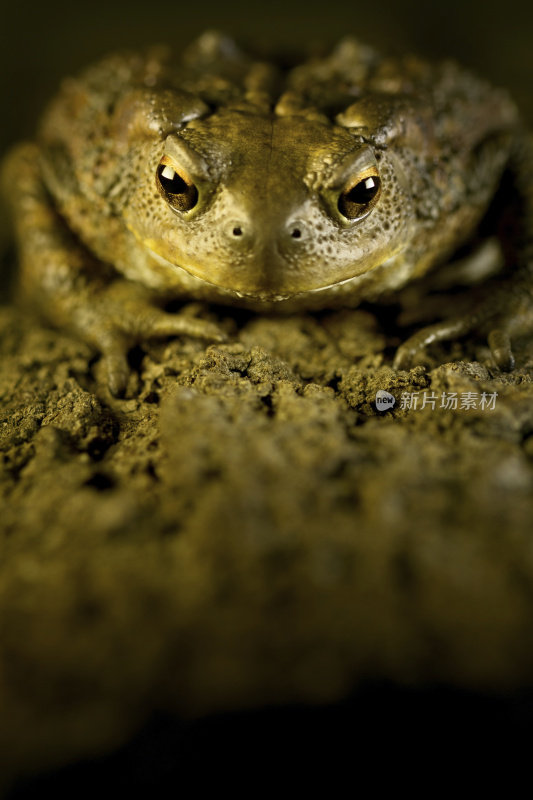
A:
x,y
185,281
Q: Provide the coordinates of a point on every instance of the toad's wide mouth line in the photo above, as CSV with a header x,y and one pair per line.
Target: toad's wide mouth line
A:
x,y
259,297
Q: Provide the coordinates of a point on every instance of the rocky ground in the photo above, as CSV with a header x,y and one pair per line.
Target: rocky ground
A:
x,y
246,529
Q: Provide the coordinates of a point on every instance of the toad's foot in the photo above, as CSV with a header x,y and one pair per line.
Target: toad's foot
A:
x,y
500,316
121,317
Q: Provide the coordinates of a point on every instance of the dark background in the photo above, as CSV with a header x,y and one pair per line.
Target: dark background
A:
x,y
42,42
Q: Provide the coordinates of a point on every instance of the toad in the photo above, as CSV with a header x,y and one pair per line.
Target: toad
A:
x,y
240,180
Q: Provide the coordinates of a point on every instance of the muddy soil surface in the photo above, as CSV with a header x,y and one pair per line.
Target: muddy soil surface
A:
x,y
246,528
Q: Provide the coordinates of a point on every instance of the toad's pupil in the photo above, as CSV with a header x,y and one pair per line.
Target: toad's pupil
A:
x,y
171,181
364,191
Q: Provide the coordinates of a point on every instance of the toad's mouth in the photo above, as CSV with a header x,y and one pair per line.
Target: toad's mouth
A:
x,y
220,292
220,288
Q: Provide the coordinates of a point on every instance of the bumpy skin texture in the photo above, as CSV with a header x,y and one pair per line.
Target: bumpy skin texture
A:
x,y
233,180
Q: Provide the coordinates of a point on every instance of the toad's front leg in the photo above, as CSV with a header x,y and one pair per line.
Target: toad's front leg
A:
x,y
73,288
500,311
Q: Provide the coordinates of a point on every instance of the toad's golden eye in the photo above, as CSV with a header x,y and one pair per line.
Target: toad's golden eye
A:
x,y
361,195
176,187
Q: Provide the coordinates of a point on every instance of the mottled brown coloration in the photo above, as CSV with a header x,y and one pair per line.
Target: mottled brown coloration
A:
x,y
231,180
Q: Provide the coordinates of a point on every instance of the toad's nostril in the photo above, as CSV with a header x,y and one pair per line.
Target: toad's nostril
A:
x,y
241,234
296,233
